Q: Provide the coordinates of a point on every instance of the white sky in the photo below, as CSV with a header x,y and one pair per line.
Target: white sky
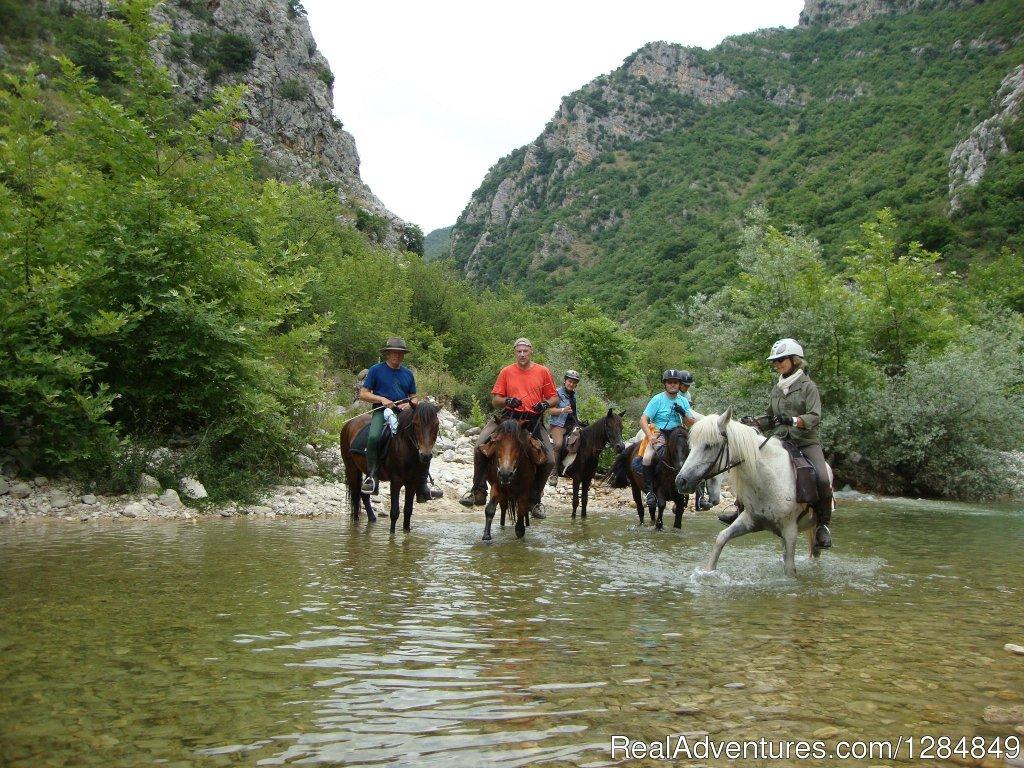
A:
x,y
436,92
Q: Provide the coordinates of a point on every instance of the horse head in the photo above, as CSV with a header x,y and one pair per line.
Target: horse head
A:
x,y
509,447
424,429
708,447
613,430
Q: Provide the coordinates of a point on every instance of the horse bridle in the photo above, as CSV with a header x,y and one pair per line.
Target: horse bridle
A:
x,y
723,451
409,431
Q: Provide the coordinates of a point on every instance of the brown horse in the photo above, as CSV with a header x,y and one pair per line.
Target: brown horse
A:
x,y
676,450
593,438
405,465
514,455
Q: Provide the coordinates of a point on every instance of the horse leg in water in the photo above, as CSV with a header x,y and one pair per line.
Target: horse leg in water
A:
x,y
396,489
522,517
659,521
741,527
504,511
789,536
636,500
586,497
576,497
410,496
677,510
370,516
489,516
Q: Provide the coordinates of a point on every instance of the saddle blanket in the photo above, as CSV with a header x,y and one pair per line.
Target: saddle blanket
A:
x,y
358,446
806,477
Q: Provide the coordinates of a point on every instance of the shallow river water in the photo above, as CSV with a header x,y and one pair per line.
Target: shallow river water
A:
x,y
263,643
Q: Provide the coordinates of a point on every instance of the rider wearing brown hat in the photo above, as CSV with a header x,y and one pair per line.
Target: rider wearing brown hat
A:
x,y
389,384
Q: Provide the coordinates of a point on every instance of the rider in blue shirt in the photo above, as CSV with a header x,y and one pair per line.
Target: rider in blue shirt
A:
x,y
665,411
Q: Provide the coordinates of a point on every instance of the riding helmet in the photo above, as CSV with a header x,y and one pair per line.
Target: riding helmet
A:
x,y
571,374
686,378
674,373
784,348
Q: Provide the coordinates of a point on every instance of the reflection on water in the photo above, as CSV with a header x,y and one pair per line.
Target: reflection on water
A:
x,y
332,642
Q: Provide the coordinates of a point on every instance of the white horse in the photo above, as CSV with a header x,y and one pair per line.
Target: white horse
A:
x,y
761,476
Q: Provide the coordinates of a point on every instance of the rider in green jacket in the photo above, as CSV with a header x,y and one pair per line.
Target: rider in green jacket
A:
x,y
794,412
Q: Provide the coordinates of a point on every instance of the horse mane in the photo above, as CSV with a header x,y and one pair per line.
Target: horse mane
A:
x,y
744,444
424,407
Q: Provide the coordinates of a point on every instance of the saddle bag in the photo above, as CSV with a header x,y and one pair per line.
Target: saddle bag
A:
x,y
806,477
358,446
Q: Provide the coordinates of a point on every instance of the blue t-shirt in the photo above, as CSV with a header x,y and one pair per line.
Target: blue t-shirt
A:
x,y
392,383
564,399
661,412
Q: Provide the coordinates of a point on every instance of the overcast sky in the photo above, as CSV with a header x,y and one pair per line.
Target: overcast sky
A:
x,y
436,92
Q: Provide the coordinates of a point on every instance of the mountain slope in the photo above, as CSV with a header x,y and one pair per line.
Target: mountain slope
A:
x,y
634,191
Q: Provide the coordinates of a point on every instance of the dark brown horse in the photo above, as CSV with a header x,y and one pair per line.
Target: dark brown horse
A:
x,y
676,450
605,431
405,465
514,455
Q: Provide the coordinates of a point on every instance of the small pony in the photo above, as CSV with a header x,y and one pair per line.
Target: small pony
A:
x,y
605,431
762,477
514,455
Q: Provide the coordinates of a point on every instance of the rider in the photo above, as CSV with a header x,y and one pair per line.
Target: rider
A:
x,y
563,420
389,385
665,411
794,412
525,390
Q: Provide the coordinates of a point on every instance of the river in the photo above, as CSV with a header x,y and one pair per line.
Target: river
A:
x,y
326,641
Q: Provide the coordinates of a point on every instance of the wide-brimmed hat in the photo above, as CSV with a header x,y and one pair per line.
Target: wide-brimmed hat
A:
x,y
394,344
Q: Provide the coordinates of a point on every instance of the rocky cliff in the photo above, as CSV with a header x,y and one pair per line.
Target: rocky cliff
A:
x,y
970,158
847,13
652,93
268,46
633,195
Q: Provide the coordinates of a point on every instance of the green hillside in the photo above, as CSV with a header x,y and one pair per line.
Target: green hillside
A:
x,y
835,124
438,244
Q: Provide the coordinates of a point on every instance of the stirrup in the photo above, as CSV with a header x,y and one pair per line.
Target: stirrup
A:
x,y
473,498
822,537
368,485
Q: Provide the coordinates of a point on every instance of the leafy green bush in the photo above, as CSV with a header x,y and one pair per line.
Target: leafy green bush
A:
x,y
293,90
219,54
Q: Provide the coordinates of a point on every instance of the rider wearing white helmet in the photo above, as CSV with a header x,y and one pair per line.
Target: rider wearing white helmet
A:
x,y
794,412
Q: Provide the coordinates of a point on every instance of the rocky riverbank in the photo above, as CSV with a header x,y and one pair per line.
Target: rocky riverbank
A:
x,y
320,495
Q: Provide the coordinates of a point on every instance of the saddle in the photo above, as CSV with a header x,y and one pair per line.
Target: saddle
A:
x,y
358,446
572,441
806,477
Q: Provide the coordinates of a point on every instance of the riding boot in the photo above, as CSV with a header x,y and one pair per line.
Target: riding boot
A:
x,y
370,481
650,497
822,535
730,517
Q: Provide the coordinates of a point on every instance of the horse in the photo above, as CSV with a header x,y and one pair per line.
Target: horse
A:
x,y
676,449
762,477
404,466
593,438
514,455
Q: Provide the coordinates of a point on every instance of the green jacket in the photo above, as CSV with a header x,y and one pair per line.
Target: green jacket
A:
x,y
804,401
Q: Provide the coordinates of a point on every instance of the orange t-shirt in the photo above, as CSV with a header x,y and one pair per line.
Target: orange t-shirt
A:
x,y
531,386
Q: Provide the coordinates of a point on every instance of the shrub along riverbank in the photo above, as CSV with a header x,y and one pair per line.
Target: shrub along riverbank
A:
x,y
157,288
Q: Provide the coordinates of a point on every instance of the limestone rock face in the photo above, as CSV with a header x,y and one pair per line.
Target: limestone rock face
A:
x,y
969,159
288,99
840,14
606,112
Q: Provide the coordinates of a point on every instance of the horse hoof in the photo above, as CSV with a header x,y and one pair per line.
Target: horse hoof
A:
x,y
371,518
584,516
487,537
658,526
520,531
406,528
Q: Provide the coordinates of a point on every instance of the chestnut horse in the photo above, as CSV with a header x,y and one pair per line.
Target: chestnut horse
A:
x,y
593,438
404,466
514,455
